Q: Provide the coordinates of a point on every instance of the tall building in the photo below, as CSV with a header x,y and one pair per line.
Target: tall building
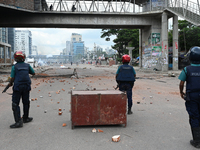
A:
x,y
77,45
78,48
34,50
68,48
11,38
23,41
76,37
3,39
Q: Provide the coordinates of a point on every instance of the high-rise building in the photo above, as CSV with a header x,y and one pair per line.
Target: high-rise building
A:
x,y
76,37
34,50
23,41
3,39
11,38
78,48
68,47
77,45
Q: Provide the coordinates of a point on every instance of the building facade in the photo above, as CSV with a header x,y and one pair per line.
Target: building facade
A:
x,y
77,45
34,50
23,41
3,39
11,38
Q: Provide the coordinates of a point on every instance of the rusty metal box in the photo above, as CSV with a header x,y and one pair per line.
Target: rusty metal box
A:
x,y
98,108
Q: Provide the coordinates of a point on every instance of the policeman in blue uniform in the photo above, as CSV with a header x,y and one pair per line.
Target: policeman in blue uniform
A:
x,y
125,77
21,88
191,74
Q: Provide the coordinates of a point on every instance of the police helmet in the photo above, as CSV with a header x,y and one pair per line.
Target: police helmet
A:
x,y
194,55
19,56
126,59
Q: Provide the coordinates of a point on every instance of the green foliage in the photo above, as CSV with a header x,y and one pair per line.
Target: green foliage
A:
x,y
124,38
189,35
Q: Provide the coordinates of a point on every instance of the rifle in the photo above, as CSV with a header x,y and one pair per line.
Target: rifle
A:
x,y
6,88
117,86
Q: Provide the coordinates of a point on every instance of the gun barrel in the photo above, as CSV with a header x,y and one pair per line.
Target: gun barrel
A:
x,y
5,89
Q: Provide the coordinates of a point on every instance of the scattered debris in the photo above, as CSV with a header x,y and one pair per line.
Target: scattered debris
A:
x,y
38,105
45,111
94,130
100,130
64,125
151,103
151,96
116,138
138,102
41,96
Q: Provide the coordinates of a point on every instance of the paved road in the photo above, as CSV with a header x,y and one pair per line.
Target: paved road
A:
x,y
159,122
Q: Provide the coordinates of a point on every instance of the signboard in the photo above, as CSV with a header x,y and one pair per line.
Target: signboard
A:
x,y
155,38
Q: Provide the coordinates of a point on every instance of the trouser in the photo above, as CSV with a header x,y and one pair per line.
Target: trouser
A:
x,y
128,88
193,109
23,93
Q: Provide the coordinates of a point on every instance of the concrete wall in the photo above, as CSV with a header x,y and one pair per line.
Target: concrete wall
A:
x,y
151,45
26,4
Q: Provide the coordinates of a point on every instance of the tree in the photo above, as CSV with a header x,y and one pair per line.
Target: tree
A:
x,y
189,35
124,38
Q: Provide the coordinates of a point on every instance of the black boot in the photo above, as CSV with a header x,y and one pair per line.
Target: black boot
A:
x,y
26,120
18,121
196,137
129,111
18,124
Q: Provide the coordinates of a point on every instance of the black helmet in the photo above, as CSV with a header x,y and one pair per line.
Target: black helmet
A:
x,y
194,55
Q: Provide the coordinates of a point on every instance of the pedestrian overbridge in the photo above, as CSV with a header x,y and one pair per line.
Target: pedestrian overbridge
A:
x,y
150,16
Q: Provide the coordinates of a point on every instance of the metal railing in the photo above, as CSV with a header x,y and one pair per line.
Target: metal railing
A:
x,y
187,9
110,6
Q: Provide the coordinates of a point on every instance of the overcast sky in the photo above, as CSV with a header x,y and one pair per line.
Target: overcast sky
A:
x,y
53,40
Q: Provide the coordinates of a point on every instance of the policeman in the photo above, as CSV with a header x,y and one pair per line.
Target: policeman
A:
x,y
125,77
21,88
191,74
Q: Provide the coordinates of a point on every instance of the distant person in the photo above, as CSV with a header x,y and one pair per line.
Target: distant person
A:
x,y
191,75
21,89
125,77
71,63
51,7
73,8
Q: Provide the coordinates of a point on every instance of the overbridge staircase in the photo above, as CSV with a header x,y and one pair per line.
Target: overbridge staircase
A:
x,y
186,9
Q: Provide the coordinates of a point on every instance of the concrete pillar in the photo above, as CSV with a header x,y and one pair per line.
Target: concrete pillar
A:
x,y
175,43
140,48
164,42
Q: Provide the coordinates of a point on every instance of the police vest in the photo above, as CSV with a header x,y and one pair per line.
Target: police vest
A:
x,y
193,78
22,75
125,73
